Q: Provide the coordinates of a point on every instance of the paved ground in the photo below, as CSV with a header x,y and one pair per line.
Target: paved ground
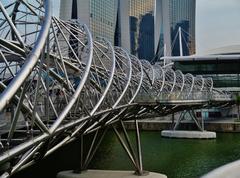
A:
x,y
231,170
168,120
107,174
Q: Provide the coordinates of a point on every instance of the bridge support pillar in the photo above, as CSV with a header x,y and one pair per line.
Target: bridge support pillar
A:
x,y
199,124
126,143
202,122
139,149
94,145
201,134
173,120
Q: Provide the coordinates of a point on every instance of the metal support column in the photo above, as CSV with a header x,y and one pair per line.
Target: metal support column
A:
x,y
126,148
194,118
172,120
139,149
135,157
94,147
181,117
202,122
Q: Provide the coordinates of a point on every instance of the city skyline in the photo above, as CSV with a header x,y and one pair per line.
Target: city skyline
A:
x,y
176,17
99,17
141,22
210,16
81,90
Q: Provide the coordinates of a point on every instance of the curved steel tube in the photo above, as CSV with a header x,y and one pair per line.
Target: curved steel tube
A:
x,y
31,59
79,85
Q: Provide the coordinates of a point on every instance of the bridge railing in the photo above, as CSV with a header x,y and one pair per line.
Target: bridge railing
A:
x,y
77,86
217,95
143,97
151,97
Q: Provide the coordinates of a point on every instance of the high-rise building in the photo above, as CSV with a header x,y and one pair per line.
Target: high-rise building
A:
x,y
170,16
183,14
125,23
141,17
122,35
162,28
99,15
142,27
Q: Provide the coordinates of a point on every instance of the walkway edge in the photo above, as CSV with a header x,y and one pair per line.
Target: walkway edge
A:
x,y
231,170
107,173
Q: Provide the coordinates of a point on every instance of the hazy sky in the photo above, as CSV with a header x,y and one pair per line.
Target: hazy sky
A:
x,y
217,23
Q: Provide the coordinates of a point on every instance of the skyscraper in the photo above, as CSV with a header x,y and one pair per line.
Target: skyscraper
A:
x,y
125,23
142,27
170,16
162,28
183,14
141,19
99,15
122,35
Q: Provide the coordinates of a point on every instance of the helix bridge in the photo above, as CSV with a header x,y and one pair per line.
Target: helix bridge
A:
x,y
57,84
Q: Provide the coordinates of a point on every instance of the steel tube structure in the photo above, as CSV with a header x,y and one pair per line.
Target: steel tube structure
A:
x,y
57,83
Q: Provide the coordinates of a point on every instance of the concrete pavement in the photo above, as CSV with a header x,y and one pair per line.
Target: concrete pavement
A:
x,y
107,174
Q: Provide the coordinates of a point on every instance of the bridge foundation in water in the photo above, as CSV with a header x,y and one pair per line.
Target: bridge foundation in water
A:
x,y
188,134
58,83
200,134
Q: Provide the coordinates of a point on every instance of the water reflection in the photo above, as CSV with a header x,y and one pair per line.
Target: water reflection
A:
x,y
177,158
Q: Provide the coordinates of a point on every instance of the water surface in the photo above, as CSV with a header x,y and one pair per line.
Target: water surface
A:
x,y
177,158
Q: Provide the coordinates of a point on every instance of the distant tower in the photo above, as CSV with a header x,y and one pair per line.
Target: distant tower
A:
x,y
183,13
99,15
141,13
169,16
69,10
162,27
122,35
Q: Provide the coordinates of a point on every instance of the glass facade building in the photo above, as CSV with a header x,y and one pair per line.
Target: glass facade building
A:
x,y
182,14
99,15
162,33
141,20
225,73
122,33
170,16
103,18
132,24
125,23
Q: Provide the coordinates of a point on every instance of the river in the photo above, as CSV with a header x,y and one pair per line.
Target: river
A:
x,y
177,158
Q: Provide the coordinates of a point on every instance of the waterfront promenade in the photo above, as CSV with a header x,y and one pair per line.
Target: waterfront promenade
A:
x,y
107,174
216,125
60,83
